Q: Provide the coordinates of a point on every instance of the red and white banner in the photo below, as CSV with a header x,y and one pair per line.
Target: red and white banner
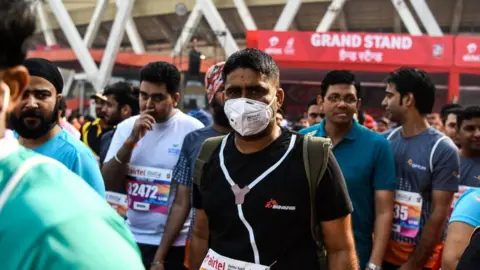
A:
x,y
362,48
467,51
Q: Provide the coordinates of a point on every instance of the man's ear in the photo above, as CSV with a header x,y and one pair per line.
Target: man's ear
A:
x,y
176,99
280,94
126,111
17,79
320,102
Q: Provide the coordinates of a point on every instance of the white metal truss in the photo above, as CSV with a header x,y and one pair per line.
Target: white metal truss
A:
x,y
214,19
98,77
94,25
187,31
50,39
407,17
288,15
457,16
334,9
124,11
74,39
426,17
245,15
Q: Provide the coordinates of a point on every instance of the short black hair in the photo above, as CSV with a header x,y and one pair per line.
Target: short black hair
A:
x,y
62,106
18,23
162,73
339,77
456,111
447,109
468,114
125,94
312,102
415,81
253,59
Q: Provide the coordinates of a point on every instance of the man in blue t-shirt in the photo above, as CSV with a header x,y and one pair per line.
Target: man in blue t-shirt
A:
x,y
183,173
35,121
366,161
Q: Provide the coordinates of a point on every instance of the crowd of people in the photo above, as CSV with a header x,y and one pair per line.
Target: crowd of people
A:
x,y
147,186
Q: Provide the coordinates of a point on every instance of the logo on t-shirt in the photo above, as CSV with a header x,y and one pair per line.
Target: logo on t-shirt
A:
x,y
273,204
416,166
174,150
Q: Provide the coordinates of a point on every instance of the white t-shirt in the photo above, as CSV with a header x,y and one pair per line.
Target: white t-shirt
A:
x,y
150,173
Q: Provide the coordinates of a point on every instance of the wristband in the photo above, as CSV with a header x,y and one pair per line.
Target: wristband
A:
x,y
130,144
156,263
373,266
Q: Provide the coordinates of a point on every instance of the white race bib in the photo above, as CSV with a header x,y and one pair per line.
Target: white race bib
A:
x,y
215,261
407,213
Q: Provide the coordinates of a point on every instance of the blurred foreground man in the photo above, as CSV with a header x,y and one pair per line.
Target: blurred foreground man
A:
x,y
367,164
466,214
427,166
35,119
142,156
51,220
183,172
255,206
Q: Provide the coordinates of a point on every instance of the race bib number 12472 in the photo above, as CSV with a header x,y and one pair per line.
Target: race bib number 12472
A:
x,y
148,189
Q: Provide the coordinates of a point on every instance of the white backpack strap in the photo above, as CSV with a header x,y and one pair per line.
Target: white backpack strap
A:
x,y
433,150
393,132
18,175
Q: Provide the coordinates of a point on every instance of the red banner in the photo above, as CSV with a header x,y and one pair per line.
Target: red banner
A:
x,y
467,51
362,48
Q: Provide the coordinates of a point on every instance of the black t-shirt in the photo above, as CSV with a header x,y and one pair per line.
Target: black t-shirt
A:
x,y
470,259
282,233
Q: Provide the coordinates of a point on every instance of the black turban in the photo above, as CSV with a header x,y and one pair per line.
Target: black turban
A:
x,y
45,69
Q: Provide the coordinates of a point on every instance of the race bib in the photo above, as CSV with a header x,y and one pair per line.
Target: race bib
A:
x,y
406,213
215,261
148,189
118,201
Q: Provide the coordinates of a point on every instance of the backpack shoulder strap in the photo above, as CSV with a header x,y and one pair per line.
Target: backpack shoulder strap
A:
x,y
206,151
315,160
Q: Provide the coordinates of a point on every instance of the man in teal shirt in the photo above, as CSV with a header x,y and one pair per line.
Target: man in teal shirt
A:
x,y
50,218
35,120
367,164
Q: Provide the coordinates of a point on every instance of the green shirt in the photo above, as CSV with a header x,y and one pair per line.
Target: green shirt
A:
x,y
54,220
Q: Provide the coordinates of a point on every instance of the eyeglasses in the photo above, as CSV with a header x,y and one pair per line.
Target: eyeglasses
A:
x,y
349,99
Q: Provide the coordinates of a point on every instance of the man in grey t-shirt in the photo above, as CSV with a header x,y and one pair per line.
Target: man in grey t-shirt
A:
x,y
427,165
469,138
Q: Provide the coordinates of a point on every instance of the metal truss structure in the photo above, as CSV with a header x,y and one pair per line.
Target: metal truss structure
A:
x,y
123,22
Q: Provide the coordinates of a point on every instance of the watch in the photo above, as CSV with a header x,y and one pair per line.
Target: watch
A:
x,y
372,266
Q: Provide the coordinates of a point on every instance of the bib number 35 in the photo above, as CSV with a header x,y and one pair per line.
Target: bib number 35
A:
x,y
400,212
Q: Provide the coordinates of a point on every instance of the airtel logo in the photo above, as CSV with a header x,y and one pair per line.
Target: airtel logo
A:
x,y
471,48
273,41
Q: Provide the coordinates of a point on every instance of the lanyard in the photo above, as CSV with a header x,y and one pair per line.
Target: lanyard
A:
x,y
240,193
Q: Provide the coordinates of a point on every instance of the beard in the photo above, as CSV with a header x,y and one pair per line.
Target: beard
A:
x,y
219,116
46,123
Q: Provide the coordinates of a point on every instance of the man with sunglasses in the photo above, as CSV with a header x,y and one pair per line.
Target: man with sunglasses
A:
x,y
141,158
35,121
366,161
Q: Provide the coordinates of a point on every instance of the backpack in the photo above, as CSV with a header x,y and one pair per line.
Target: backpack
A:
x,y
315,149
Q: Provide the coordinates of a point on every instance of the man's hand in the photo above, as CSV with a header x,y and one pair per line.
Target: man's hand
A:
x,y
142,125
157,267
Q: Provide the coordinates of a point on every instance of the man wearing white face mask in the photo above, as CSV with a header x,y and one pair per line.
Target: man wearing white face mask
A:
x,y
252,192
50,218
